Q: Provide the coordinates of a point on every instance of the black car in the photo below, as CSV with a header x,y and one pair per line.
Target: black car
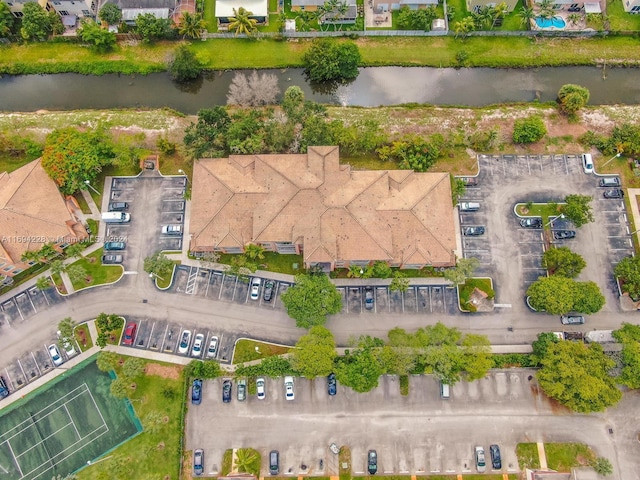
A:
x,y
196,392
111,259
267,294
4,391
564,234
496,461
226,391
118,206
368,298
114,245
332,385
372,462
614,193
532,222
473,231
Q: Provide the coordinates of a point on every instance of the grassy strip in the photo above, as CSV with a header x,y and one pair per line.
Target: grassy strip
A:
x,y
83,337
155,453
465,291
527,455
544,210
97,274
564,456
404,385
220,54
245,351
84,206
273,262
226,462
344,460
115,334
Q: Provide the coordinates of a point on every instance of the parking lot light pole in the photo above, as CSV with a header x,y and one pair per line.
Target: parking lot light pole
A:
x,y
551,221
617,155
151,275
88,184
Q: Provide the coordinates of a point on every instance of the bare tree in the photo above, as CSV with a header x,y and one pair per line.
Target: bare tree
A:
x,y
254,90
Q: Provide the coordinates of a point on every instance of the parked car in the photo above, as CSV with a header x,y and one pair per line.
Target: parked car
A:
x,y
572,320
4,390
496,460
196,391
268,290
185,341
288,388
372,462
55,355
332,384
118,206
67,345
111,259
255,288
473,231
172,229
564,234
196,351
531,222
226,391
115,245
587,163
614,193
129,334
469,206
261,390
274,462
609,182
213,347
481,464
198,461
469,181
368,298
242,390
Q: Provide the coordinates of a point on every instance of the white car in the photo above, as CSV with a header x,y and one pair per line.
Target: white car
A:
x,y
55,355
587,163
288,388
255,288
185,341
213,347
172,229
68,346
196,351
260,388
481,463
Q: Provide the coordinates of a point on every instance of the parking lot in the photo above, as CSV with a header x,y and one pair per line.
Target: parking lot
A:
x,y
511,254
417,434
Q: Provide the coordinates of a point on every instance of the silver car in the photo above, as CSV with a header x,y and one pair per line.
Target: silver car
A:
x,y
481,462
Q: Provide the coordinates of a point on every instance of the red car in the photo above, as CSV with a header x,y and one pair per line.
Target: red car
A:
x,y
129,334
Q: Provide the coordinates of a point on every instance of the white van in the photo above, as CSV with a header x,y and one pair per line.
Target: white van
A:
x,y
469,206
587,162
444,391
116,217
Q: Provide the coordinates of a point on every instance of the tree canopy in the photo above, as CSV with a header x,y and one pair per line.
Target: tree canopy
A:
x,y
151,28
329,60
36,22
314,353
559,295
562,261
572,98
628,270
529,130
629,336
158,264
110,14
578,377
359,370
184,66
72,157
241,22
7,20
541,345
464,269
578,209
100,39
311,299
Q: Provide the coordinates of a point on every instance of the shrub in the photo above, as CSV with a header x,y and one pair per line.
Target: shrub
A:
x,y
572,98
529,130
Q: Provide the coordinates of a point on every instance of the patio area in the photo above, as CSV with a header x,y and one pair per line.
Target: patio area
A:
x,y
567,18
377,14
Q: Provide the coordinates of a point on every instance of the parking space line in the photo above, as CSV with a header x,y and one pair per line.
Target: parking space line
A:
x,y
20,365
208,283
221,285
150,335
8,378
18,307
34,361
31,302
164,338
430,301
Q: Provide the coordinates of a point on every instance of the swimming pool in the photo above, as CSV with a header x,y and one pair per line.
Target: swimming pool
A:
x,y
556,22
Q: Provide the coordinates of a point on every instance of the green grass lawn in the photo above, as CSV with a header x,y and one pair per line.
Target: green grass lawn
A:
x,y
84,206
156,452
245,351
563,456
114,335
273,262
619,19
527,455
97,273
544,210
210,15
466,289
227,458
83,337
460,11
9,163
512,21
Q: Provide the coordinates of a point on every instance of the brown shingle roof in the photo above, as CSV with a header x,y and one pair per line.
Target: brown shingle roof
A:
x,y
337,214
32,212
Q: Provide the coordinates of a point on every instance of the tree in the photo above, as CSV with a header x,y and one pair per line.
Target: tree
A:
x,y
414,152
562,261
602,466
107,361
577,376
72,157
151,28
205,138
253,90
541,345
498,12
314,353
36,22
359,370
120,387
133,367
184,66
100,39
526,14
572,98
629,336
464,26
587,297
331,61
311,299
110,14
628,271
6,20
399,283
552,294
445,362
247,460
577,209
76,273
464,269
74,250
153,421
65,327
381,269
397,360
57,267
43,283
293,103
158,264
477,357
191,25
241,22
529,130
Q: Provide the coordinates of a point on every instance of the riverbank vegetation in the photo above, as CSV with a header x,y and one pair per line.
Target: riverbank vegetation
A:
x,y
221,54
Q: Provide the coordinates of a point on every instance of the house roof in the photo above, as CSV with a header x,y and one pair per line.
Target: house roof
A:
x,y
131,14
337,214
144,4
258,8
32,212
317,3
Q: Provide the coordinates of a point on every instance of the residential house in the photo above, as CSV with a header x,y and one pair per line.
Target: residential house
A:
x,y
577,6
132,9
32,213
225,11
476,5
349,17
68,9
631,6
414,4
16,6
333,216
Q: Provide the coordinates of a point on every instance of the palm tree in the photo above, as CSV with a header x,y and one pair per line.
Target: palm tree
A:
x,y
574,18
191,25
306,18
254,251
343,8
526,14
247,459
546,9
242,22
499,11
464,26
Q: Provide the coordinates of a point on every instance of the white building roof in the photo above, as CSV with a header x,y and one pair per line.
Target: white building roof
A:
x,y
258,8
592,8
130,14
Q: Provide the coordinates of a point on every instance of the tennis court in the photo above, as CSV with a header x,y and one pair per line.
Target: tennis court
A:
x,y
59,428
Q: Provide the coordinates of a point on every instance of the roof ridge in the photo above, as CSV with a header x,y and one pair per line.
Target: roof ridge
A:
x,y
33,165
